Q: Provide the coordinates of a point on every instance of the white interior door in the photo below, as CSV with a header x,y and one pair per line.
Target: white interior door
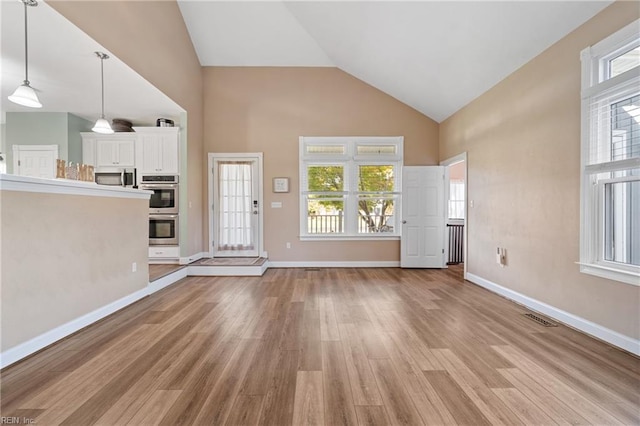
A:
x,y
423,217
237,206
35,160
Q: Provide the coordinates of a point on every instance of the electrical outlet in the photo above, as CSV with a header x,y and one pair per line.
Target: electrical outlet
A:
x,y
134,267
288,245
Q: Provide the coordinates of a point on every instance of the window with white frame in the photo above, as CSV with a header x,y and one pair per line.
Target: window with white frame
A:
x,y
456,199
610,189
350,187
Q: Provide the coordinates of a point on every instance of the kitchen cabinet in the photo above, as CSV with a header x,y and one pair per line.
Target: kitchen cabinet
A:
x,y
157,150
109,151
115,153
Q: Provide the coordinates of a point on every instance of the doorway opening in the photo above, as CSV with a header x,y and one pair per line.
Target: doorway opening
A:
x,y
456,196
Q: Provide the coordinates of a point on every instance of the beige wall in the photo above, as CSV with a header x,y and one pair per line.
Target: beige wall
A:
x,y
151,37
268,109
52,274
523,143
456,171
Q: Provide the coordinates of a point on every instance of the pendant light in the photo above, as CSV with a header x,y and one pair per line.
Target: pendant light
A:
x,y
102,125
24,94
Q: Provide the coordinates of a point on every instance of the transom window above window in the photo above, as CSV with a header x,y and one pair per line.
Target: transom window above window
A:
x,y
350,187
624,62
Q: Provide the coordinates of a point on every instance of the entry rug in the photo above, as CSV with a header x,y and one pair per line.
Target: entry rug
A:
x,y
231,261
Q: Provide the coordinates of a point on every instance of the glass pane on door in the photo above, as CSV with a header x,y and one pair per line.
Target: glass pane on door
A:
x,y
235,198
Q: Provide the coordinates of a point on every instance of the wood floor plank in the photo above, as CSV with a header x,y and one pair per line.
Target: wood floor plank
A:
x,y
311,349
426,400
372,415
128,405
217,407
278,403
256,329
543,398
339,408
397,400
263,366
528,412
328,322
308,406
300,290
464,411
361,378
155,408
190,402
493,409
246,410
587,409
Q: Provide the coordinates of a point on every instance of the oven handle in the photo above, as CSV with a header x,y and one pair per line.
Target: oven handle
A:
x,y
160,216
158,185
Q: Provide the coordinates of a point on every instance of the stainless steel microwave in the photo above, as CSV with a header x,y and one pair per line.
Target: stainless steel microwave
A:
x,y
124,177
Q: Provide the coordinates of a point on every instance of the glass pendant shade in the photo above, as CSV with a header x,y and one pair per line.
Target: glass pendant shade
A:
x,y
25,95
102,126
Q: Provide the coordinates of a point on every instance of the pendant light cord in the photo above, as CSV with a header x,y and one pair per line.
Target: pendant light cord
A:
x,y
26,48
102,80
102,57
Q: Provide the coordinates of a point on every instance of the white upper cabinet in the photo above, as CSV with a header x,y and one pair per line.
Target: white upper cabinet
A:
x,y
157,150
115,153
109,151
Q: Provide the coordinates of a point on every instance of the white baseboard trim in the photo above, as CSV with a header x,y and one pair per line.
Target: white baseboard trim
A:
x,y
332,264
610,336
16,353
192,258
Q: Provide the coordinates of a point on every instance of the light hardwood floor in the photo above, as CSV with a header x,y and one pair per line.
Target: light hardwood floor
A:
x,y
329,346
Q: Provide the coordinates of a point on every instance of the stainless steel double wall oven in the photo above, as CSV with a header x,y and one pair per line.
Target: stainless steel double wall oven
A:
x,y
163,208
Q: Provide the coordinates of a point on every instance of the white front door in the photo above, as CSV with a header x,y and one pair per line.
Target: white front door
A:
x,y
423,217
236,205
35,160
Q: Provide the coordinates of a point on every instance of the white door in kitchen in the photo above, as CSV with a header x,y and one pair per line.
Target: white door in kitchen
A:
x,y
423,217
236,205
35,160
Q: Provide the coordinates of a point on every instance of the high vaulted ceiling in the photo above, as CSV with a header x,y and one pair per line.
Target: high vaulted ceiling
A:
x,y
436,56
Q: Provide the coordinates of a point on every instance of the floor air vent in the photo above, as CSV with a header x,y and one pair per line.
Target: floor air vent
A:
x,y
540,320
312,269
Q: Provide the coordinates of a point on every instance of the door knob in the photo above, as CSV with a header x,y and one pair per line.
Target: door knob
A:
x,y
404,221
